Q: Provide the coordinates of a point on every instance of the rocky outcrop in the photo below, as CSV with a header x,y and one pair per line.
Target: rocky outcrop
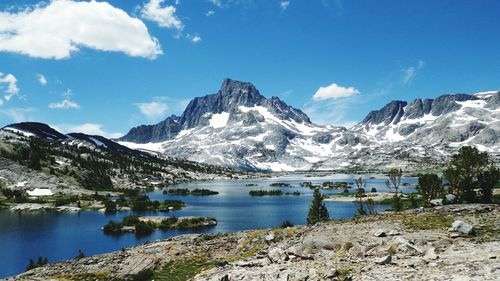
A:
x,y
345,250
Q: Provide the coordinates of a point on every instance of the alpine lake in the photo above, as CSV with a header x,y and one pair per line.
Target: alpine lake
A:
x,y
60,235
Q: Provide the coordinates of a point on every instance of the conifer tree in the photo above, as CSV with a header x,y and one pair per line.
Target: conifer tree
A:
x,y
317,210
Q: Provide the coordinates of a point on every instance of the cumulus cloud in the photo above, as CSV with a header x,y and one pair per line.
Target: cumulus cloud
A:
x,y
410,72
8,85
41,79
59,28
66,103
164,16
284,5
334,91
196,39
86,128
153,109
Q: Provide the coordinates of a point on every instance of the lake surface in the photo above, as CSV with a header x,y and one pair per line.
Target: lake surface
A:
x,y
59,236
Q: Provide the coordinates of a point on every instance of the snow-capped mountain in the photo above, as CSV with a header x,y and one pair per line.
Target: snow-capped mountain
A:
x,y
239,127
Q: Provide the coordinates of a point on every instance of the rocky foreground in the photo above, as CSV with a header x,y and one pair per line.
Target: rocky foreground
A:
x,y
453,242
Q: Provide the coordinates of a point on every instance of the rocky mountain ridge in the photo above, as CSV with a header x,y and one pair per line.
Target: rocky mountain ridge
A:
x,y
238,127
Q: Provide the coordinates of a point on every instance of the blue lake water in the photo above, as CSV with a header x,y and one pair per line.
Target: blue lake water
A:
x,y
59,236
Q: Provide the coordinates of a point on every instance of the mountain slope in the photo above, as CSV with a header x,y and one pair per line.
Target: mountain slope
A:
x,y
238,127
36,155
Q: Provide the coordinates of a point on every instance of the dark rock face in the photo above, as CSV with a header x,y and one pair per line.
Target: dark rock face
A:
x,y
229,98
447,103
231,95
418,108
40,130
392,112
164,130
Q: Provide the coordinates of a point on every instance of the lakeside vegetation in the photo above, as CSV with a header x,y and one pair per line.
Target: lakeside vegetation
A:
x,y
146,225
185,191
274,192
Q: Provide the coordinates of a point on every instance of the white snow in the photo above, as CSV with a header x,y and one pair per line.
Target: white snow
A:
x,y
270,146
392,134
312,159
152,146
26,134
219,120
21,184
98,143
472,103
40,192
300,128
485,94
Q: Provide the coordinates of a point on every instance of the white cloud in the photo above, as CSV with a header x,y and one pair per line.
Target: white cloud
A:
x,y
210,13
333,112
410,72
60,28
8,85
217,3
153,109
86,128
284,5
41,79
196,39
64,104
165,17
334,91
19,114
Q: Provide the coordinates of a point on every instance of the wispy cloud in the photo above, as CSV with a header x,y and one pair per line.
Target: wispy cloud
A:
x,y
8,85
41,79
153,110
284,5
334,91
410,72
58,29
66,103
332,112
163,16
217,3
19,114
210,13
86,128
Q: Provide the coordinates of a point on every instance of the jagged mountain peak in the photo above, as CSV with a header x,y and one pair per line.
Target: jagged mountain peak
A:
x,y
234,102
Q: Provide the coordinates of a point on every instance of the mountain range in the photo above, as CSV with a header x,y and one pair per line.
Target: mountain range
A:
x,y
238,127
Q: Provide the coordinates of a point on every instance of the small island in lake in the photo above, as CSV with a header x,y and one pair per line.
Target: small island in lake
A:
x,y
185,191
148,224
274,192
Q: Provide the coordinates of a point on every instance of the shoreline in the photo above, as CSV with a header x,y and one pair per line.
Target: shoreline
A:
x,y
356,248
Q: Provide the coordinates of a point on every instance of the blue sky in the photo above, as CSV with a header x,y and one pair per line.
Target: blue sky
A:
x,y
112,65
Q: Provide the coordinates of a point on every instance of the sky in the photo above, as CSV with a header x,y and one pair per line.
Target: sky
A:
x,y
102,67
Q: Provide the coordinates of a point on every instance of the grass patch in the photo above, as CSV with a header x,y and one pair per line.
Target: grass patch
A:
x,y
182,270
428,221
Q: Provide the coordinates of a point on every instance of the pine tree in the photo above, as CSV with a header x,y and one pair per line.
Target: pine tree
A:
x,y
317,210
